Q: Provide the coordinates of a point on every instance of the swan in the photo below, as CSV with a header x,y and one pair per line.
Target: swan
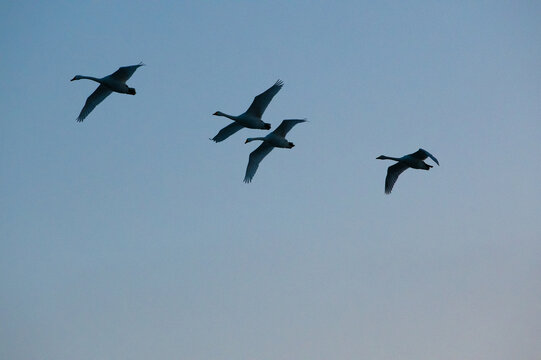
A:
x,y
414,161
251,118
272,140
115,82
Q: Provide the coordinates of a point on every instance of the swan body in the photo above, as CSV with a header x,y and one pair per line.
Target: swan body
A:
x,y
270,141
414,161
251,118
116,82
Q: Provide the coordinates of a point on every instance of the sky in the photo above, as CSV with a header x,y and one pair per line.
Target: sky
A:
x,y
132,235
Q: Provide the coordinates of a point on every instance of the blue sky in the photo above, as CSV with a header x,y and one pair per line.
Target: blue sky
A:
x,y
132,236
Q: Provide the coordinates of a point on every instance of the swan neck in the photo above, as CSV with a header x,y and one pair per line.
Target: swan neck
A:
x,y
219,113
384,157
234,118
255,138
90,78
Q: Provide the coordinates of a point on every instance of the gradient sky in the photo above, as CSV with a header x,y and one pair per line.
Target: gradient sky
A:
x,y
132,236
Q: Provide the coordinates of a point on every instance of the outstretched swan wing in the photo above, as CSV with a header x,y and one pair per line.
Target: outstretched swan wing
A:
x,y
262,100
125,72
227,132
422,154
255,158
392,175
287,125
93,100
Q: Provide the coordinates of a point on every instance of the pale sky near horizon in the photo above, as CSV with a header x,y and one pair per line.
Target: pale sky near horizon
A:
x,y
132,236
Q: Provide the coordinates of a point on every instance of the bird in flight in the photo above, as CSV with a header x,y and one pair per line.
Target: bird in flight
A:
x,y
251,118
414,161
274,139
116,82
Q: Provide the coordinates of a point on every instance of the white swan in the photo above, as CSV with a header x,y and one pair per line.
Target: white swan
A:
x,y
251,118
414,161
272,140
115,82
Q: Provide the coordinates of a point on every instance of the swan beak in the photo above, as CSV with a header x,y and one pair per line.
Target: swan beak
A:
x,y
72,79
246,142
216,113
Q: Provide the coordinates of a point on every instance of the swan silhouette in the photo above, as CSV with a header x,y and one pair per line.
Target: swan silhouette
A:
x,y
274,139
251,118
116,82
414,161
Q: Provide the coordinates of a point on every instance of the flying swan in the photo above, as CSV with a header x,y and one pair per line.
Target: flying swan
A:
x,y
115,82
251,118
414,161
272,140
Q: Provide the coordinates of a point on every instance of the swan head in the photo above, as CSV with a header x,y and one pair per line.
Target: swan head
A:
x,y
381,157
267,126
290,145
76,77
131,91
218,113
